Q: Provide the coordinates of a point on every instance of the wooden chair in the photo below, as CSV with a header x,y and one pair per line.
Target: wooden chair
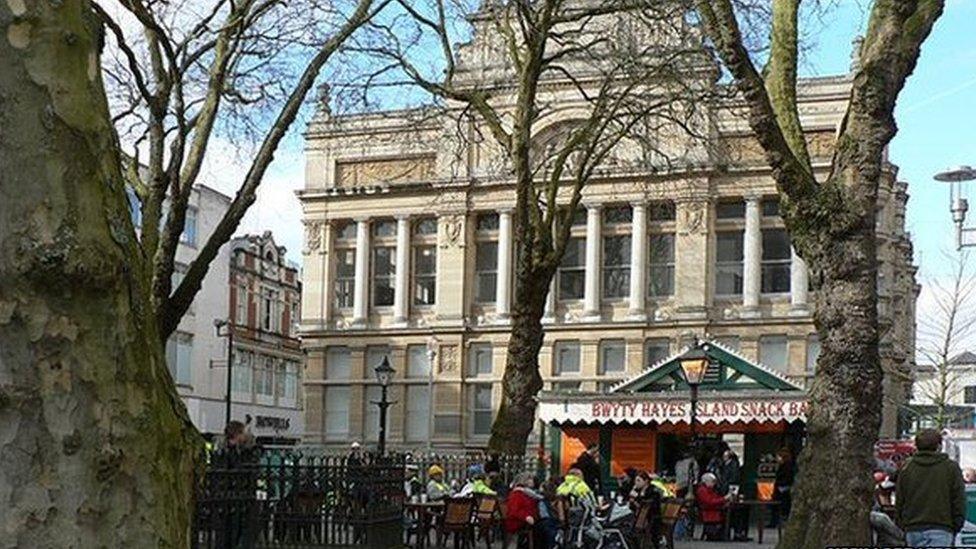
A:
x,y
671,511
644,530
486,518
457,520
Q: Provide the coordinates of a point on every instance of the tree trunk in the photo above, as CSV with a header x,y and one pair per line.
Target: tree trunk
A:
x,y
521,382
97,449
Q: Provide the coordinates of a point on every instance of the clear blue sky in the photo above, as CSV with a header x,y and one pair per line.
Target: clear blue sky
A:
x,y
936,115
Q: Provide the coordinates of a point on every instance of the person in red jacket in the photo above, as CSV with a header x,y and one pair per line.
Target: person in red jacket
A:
x,y
523,505
711,508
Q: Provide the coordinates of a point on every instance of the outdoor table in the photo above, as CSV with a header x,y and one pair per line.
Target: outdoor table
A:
x,y
424,511
760,505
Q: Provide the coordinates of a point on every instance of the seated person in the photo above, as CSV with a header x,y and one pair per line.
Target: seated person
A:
x,y
523,505
477,484
625,482
437,489
662,487
711,507
645,494
574,487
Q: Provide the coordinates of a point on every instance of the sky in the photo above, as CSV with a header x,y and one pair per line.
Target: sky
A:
x,y
936,117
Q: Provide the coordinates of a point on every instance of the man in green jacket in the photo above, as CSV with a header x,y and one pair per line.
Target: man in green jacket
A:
x,y
930,497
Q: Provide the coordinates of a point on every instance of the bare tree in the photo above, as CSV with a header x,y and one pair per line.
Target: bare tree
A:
x,y
832,225
632,71
944,332
180,73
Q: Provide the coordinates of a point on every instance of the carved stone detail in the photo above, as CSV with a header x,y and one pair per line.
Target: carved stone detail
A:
x,y
449,358
313,237
453,231
691,219
354,173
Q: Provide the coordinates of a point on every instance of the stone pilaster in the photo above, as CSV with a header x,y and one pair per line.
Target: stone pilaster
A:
x,y
751,259
401,293
504,279
638,263
692,258
591,289
360,305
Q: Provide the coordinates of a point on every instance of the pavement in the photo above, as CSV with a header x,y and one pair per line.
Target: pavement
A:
x,y
769,540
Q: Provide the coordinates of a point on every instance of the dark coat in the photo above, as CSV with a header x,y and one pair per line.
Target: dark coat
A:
x,y
930,493
591,471
730,474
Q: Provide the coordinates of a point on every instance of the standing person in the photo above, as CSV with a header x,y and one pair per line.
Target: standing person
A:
x,y
732,476
783,486
588,463
711,507
930,496
239,459
686,473
523,505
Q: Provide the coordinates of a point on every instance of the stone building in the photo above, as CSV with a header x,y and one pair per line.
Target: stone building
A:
x,y
409,237
265,299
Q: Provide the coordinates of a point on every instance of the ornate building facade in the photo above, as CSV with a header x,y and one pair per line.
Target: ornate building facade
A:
x,y
409,243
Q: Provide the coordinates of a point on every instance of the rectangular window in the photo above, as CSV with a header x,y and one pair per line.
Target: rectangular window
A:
x,y
384,228
772,352
447,425
613,356
336,408
616,266
418,362
346,230
566,386
270,313
374,357
479,356
566,356
417,421
241,312
486,271
660,271
280,377
775,261
424,274
770,207
730,209
338,363
730,342
728,263
481,410
264,376
345,283
179,352
189,234
426,226
969,394
241,376
572,270
656,350
618,215
487,222
291,381
384,271
813,352
661,211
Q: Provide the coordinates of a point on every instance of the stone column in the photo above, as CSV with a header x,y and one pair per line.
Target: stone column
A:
x,y
504,279
638,262
591,289
401,293
799,284
751,259
360,302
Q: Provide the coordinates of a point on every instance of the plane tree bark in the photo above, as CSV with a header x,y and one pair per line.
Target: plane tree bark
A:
x,y
832,225
626,87
97,449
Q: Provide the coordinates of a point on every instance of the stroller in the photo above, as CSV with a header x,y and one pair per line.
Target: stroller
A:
x,y
591,531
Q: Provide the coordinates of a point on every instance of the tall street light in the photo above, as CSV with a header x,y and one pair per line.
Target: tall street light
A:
x,y
228,331
958,205
694,363
432,345
384,374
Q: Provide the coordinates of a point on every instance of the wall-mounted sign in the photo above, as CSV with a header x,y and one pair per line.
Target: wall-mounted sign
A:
x,y
672,411
272,422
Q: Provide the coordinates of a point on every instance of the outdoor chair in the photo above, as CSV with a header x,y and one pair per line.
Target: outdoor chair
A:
x,y
644,527
486,519
457,520
524,537
671,513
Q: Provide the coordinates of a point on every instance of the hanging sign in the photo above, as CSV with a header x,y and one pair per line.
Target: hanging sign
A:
x,y
721,410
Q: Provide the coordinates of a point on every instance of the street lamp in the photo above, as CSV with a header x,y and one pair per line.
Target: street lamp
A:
x,y
432,345
958,205
384,374
694,363
228,327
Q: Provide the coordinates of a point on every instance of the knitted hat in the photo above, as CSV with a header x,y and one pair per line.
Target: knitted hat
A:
x,y
435,470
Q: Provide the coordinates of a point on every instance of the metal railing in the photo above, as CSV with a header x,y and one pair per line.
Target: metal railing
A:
x,y
277,498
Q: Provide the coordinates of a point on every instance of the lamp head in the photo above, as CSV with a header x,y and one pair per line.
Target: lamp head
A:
x,y
693,365
384,372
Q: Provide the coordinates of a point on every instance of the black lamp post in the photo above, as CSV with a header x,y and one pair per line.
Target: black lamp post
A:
x,y
384,374
228,332
693,365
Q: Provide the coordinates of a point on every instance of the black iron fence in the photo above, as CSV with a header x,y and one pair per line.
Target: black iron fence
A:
x,y
456,465
293,499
